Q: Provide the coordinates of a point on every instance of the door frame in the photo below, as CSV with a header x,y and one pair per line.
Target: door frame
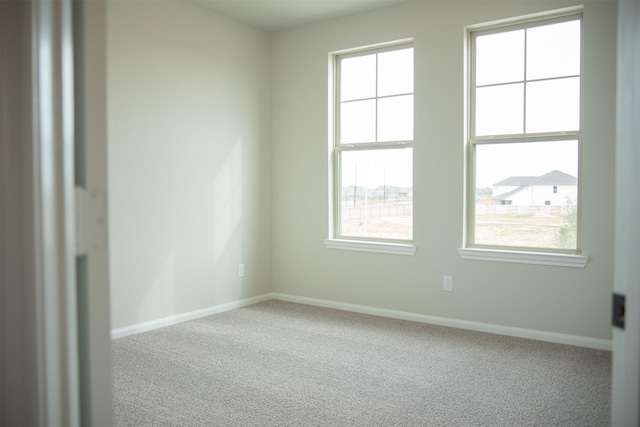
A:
x,y
50,374
625,405
91,173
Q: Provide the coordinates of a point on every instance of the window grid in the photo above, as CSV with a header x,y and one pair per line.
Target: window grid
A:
x,y
339,148
523,25
524,137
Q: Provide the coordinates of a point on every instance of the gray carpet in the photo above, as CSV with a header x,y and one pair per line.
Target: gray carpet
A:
x,y
284,364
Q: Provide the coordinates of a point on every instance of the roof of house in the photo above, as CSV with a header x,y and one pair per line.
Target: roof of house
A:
x,y
508,194
554,177
515,181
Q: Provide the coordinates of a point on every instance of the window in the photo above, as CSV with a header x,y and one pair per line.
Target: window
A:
x,y
373,145
525,136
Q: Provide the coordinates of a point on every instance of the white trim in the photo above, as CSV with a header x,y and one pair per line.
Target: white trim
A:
x,y
90,58
538,258
338,147
473,140
378,247
52,117
185,317
524,19
554,337
377,46
625,391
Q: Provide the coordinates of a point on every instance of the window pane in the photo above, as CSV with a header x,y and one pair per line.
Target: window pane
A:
x,y
553,105
500,58
358,121
500,109
395,72
377,194
358,77
553,50
395,118
527,194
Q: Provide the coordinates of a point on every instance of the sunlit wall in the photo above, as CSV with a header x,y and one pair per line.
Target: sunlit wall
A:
x,y
189,159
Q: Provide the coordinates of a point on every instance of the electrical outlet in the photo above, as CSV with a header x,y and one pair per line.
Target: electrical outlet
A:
x,y
240,270
447,283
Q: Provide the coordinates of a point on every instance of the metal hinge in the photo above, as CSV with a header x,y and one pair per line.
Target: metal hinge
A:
x,y
91,223
618,310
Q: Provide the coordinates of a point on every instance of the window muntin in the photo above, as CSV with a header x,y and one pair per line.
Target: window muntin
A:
x,y
373,146
527,80
524,136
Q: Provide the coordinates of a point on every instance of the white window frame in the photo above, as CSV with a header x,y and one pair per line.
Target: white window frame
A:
x,y
336,240
527,255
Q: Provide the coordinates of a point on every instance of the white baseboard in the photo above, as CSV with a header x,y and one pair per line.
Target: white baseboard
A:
x,y
184,317
577,340
554,337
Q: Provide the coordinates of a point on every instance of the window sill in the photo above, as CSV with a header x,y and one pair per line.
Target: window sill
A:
x,y
556,260
378,247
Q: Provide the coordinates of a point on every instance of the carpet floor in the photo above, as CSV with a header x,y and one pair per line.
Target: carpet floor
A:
x,y
284,364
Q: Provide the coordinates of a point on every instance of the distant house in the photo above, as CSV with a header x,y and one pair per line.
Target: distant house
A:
x,y
554,188
350,192
484,196
391,192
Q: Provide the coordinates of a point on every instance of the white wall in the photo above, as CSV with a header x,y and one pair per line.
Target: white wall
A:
x,y
556,299
189,159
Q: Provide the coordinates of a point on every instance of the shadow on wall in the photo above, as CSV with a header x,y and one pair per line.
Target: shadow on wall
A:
x,y
227,201
227,215
161,289
222,248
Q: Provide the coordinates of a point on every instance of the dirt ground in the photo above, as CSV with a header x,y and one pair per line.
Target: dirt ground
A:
x,y
399,227
534,231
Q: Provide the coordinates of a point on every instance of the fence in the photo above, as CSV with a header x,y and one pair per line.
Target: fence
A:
x,y
522,209
376,211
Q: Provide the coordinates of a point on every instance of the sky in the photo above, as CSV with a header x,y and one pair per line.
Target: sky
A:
x,y
496,162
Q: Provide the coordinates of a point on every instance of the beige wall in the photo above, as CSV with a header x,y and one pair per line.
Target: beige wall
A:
x,y
218,148
555,299
189,159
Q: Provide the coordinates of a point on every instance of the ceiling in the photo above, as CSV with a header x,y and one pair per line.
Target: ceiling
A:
x,y
275,15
